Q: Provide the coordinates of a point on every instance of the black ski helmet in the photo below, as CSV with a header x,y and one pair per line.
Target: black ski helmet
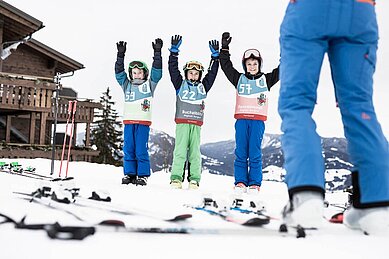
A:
x,y
138,64
195,65
252,53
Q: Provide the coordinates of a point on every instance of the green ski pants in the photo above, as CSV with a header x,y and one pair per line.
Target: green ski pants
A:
x,y
187,146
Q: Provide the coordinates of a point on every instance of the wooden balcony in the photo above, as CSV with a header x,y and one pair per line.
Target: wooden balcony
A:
x,y
21,93
27,112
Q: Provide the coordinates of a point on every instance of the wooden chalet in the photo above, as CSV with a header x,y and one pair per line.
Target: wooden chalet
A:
x,y
29,78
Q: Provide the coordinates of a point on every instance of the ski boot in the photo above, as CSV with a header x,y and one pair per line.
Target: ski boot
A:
x,y
176,184
193,185
141,180
127,179
372,221
253,189
304,209
240,188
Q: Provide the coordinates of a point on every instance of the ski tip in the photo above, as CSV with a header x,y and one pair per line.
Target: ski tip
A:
x,y
113,223
337,218
257,221
62,179
181,217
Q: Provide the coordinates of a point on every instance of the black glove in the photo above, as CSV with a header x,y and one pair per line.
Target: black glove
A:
x,y
176,39
121,46
157,45
226,39
214,47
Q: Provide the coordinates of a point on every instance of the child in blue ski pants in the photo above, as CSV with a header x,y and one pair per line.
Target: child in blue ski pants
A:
x,y
136,159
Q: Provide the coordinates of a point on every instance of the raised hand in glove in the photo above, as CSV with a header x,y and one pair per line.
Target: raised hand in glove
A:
x,y
226,39
121,46
214,47
157,45
176,42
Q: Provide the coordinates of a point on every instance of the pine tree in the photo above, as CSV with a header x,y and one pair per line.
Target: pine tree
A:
x,y
106,133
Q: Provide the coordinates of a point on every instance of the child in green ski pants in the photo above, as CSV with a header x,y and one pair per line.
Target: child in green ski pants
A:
x,y
191,93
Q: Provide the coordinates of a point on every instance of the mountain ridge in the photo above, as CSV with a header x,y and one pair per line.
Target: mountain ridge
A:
x,y
218,157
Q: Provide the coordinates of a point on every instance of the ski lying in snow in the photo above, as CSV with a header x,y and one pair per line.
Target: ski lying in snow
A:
x,y
16,169
98,200
58,231
251,215
24,175
234,213
101,200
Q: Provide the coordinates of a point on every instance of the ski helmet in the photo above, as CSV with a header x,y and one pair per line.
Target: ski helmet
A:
x,y
138,64
193,65
252,53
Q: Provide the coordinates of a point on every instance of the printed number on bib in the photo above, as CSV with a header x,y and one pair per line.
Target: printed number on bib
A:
x,y
245,88
188,95
130,96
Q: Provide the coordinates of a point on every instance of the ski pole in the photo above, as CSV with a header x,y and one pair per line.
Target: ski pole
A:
x,y
64,139
71,136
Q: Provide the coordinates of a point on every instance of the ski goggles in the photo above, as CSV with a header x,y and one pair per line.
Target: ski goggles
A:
x,y
194,65
252,53
137,64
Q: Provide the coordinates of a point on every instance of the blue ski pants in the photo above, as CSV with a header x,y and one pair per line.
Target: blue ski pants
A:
x,y
248,153
136,156
347,31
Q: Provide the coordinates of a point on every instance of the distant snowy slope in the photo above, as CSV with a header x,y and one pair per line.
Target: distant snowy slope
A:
x,y
218,157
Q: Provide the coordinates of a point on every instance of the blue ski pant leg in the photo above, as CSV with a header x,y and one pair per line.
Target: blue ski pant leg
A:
x,y
257,128
241,151
302,53
129,159
367,144
350,29
141,149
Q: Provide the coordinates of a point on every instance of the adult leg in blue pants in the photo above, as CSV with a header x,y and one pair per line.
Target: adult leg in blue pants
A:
x,y
367,144
347,30
301,61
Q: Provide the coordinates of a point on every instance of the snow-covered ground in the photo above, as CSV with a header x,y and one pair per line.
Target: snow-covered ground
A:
x,y
334,241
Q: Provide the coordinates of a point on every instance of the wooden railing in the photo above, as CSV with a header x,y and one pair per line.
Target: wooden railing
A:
x,y
44,151
84,112
27,96
26,93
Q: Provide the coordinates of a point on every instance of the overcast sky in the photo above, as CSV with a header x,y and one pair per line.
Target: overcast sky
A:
x,y
87,31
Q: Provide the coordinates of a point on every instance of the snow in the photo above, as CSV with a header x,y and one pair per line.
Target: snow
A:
x,y
340,161
158,199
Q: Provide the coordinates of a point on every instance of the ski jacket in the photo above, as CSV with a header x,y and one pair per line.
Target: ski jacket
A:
x,y
251,91
138,94
190,97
